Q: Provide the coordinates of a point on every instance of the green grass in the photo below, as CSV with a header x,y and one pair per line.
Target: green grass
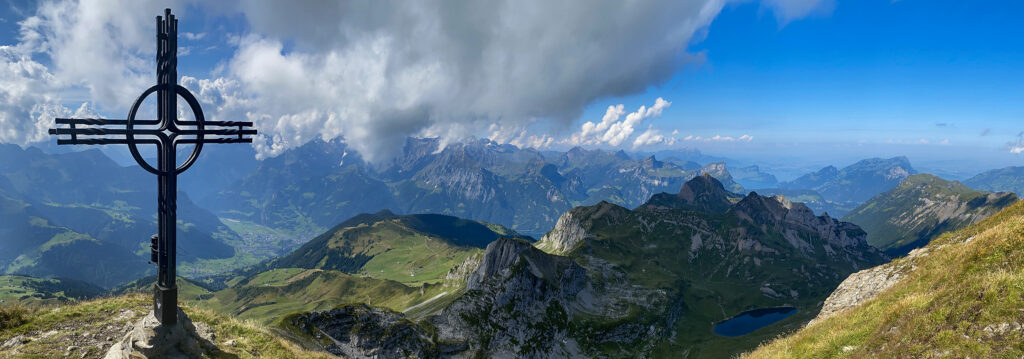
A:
x,y
29,291
385,249
52,329
413,259
271,295
940,308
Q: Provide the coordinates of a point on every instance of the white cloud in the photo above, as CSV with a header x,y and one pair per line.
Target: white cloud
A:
x,y
651,137
27,97
1017,149
747,138
454,68
105,46
371,72
611,130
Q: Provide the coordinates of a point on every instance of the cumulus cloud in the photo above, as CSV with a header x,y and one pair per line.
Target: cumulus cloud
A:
x,y
612,131
374,73
104,46
27,97
652,137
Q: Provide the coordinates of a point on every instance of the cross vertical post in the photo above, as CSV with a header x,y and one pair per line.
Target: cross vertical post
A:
x,y
165,297
165,134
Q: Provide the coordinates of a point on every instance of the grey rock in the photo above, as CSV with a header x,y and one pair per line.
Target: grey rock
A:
x,y
148,339
16,342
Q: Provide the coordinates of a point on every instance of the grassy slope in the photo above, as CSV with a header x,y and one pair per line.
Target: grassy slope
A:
x,y
270,295
29,291
941,307
54,328
187,289
387,249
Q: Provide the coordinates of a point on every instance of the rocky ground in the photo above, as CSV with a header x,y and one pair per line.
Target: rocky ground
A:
x,y
90,329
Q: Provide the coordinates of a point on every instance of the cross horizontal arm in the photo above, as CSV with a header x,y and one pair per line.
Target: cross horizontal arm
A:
x,y
215,140
215,123
205,132
100,121
105,141
100,131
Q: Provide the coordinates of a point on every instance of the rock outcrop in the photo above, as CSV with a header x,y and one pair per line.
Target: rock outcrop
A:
x,y
363,332
564,237
862,286
515,304
148,339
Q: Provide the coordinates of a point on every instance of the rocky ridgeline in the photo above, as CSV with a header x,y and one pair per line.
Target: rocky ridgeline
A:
x,y
361,331
778,210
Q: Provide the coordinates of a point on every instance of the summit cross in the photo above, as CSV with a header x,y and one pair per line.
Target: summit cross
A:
x,y
166,132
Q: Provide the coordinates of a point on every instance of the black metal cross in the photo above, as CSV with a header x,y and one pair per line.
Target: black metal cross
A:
x,y
166,133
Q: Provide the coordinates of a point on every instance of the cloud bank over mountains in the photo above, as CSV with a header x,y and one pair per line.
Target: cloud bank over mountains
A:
x,y
373,73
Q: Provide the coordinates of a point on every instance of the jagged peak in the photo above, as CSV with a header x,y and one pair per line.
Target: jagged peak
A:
x,y
499,255
702,193
623,155
764,209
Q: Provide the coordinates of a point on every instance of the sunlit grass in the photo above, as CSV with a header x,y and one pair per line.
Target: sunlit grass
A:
x,y
941,308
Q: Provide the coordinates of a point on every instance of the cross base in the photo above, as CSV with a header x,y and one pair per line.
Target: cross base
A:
x,y
165,304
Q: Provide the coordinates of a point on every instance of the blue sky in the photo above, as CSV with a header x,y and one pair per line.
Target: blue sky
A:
x,y
939,81
844,85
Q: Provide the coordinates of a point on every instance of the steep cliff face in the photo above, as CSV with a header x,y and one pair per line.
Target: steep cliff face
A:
x,y
564,237
516,304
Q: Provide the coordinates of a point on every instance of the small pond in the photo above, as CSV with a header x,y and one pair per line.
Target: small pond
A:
x,y
752,320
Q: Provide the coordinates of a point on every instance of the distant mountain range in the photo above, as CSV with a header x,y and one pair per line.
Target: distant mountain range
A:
x,y
310,188
921,208
837,191
1008,179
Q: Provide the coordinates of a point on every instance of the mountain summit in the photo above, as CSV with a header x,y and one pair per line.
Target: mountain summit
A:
x,y
703,193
